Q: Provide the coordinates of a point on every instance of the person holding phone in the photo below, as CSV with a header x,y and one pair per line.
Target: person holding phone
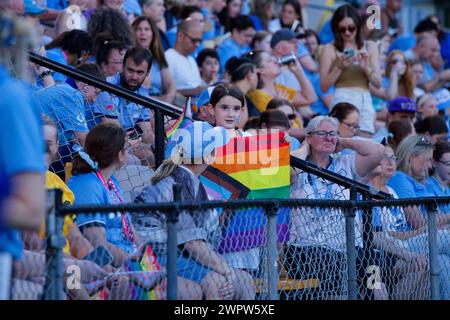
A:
x,y
351,64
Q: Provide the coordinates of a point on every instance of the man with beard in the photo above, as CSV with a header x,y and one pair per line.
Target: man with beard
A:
x,y
132,117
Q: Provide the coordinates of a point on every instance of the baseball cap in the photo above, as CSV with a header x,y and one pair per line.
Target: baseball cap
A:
x,y
196,142
402,104
32,7
280,35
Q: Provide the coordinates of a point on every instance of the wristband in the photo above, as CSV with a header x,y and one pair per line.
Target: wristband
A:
x,y
45,74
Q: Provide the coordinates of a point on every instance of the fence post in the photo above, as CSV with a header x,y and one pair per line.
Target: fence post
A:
x,y
272,253
54,282
159,137
172,219
432,243
351,248
367,238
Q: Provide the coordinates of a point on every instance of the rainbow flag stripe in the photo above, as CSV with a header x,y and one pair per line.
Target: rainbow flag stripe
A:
x,y
256,167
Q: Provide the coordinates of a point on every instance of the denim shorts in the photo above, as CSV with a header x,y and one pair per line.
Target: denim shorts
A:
x,y
187,268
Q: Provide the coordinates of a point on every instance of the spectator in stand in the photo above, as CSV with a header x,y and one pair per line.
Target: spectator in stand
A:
x,y
433,128
154,9
394,235
348,117
69,48
109,54
261,13
426,107
231,11
399,130
93,182
289,111
284,43
439,182
182,65
211,8
113,21
242,33
414,156
312,43
22,193
417,71
407,42
261,41
398,109
389,20
268,89
317,237
198,232
444,40
399,78
135,119
244,76
208,63
274,119
158,82
352,73
290,18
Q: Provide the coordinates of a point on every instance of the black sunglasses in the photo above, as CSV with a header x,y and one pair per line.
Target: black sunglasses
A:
x,y
194,40
350,29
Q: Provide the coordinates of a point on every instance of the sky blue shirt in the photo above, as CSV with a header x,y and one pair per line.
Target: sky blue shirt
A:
x,y
406,187
216,28
21,147
56,54
113,107
65,106
319,106
403,43
89,190
230,48
435,188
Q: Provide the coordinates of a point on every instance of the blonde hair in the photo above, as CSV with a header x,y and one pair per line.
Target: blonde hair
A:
x,y
412,146
168,166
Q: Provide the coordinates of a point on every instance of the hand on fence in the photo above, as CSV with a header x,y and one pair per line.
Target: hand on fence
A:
x,y
226,292
91,271
418,262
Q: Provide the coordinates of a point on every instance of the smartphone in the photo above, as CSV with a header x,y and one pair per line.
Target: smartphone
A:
x,y
100,256
349,52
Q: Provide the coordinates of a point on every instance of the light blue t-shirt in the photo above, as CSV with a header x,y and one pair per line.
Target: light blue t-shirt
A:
x,y
228,49
21,147
56,54
435,188
319,106
403,43
65,106
89,190
406,187
114,107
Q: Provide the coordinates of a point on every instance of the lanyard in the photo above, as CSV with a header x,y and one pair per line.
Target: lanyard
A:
x,y
126,229
328,194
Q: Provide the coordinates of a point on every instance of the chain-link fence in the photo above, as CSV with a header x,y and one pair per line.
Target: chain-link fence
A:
x,y
280,249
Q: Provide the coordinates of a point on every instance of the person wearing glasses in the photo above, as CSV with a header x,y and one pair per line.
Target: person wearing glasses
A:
x,y
182,65
414,160
393,234
348,116
351,65
439,182
317,237
288,109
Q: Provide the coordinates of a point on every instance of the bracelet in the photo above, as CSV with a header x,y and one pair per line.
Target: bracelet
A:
x,y
45,74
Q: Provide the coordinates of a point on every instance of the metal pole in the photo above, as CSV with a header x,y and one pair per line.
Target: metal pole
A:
x,y
272,253
367,238
350,214
58,246
432,243
159,137
172,218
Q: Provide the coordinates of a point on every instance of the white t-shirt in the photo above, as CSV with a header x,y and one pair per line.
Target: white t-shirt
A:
x,y
184,70
322,227
288,79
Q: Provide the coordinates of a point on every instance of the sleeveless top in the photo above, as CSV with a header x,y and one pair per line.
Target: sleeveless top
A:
x,y
352,76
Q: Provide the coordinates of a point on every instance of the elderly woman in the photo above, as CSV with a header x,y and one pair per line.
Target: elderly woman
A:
x,y
394,235
317,237
414,156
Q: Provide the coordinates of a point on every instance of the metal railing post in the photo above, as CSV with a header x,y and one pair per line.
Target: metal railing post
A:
x,y
54,284
350,214
272,253
367,238
432,243
172,219
159,137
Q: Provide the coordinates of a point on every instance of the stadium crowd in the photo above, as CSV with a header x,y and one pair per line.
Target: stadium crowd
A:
x,y
367,101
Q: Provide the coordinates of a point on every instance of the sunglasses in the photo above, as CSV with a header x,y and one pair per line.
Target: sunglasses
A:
x,y
352,126
350,29
396,61
194,40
